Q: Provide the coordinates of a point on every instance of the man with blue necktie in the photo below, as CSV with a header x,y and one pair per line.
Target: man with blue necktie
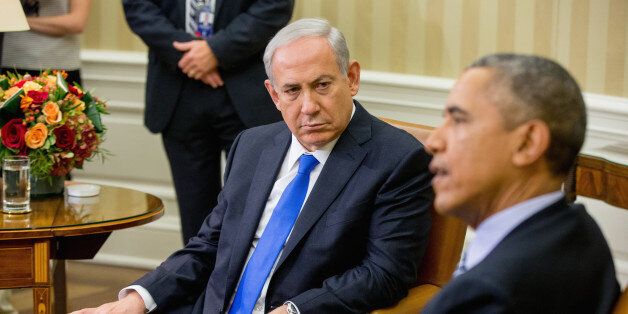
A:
x,y
325,212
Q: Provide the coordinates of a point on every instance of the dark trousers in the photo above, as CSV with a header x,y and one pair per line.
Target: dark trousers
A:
x,y
198,133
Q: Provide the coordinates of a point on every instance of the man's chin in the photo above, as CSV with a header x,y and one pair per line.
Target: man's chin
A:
x,y
443,206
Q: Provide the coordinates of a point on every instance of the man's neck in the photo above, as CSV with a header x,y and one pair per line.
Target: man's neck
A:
x,y
524,188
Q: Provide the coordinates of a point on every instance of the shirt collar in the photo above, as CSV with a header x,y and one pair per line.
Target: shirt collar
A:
x,y
494,229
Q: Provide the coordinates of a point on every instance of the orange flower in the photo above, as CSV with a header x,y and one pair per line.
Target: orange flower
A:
x,y
36,136
25,102
76,103
52,113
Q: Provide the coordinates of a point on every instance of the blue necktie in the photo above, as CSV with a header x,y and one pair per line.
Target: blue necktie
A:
x,y
273,239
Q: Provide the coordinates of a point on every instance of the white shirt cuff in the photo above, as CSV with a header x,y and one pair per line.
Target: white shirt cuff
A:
x,y
149,303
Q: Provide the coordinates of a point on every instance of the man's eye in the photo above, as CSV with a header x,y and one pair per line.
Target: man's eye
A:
x,y
291,91
457,119
323,85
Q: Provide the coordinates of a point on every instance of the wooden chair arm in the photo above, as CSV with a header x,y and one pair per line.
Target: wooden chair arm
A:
x,y
621,307
413,303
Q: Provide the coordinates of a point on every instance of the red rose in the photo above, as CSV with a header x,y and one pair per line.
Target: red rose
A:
x,y
38,97
75,91
20,83
61,167
13,135
89,137
65,137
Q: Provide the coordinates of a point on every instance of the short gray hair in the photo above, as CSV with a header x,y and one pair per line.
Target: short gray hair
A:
x,y
529,87
312,27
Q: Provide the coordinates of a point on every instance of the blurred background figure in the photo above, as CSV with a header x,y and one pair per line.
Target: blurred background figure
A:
x,y
205,84
52,43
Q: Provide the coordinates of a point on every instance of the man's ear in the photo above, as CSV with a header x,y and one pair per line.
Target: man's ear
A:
x,y
533,140
273,94
353,74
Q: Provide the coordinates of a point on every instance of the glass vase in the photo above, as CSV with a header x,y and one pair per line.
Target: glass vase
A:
x,y
46,187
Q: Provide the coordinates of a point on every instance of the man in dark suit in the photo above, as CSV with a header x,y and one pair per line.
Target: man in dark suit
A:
x,y
204,85
513,127
362,229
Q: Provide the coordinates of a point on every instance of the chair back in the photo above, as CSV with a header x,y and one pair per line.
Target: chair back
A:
x,y
446,236
603,180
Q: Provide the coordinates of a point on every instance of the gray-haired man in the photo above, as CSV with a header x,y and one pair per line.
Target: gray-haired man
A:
x,y
349,243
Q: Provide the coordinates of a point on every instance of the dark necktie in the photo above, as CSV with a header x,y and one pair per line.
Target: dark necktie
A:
x,y
273,239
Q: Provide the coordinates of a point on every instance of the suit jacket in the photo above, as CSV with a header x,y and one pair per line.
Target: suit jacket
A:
x,y
356,243
557,261
242,30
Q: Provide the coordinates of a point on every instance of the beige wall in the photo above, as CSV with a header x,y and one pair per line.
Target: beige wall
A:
x,y
439,37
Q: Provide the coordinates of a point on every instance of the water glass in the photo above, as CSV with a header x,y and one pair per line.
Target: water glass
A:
x,y
16,186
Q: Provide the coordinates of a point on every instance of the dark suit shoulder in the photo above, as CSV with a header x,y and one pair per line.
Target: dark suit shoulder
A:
x,y
555,261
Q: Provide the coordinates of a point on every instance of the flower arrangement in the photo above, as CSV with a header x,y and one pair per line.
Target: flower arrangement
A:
x,y
57,126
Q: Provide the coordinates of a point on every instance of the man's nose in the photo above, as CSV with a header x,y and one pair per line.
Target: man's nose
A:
x,y
310,103
435,143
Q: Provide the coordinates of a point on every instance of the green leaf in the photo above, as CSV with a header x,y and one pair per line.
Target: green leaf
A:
x,y
62,84
4,83
87,99
51,140
93,114
11,108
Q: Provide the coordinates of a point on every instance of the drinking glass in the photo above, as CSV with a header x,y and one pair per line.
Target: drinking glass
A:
x,y
16,186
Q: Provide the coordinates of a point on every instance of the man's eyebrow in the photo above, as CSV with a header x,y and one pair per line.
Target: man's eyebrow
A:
x,y
455,109
323,77
289,85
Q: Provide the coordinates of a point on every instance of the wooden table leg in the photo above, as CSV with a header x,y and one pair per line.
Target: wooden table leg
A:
x,y
41,300
59,286
41,290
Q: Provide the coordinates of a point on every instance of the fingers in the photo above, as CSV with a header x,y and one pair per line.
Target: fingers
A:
x,y
182,46
197,58
213,79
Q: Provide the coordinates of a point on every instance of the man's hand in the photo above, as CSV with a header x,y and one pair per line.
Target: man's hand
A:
x,y
280,310
213,79
197,59
132,303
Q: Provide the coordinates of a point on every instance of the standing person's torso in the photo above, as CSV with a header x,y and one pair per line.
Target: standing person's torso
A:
x,y
32,50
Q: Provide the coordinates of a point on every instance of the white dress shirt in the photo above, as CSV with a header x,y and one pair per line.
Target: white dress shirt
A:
x,y
287,172
494,229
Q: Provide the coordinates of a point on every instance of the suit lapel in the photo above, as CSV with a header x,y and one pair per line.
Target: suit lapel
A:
x,y
345,158
181,13
263,180
217,11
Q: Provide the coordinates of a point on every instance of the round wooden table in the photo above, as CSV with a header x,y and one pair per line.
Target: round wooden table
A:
x,y
63,228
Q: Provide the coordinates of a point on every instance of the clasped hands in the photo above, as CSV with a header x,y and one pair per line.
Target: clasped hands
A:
x,y
199,62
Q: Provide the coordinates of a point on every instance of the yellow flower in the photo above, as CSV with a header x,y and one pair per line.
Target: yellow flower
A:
x,y
10,92
51,81
75,102
25,102
36,136
52,113
30,85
